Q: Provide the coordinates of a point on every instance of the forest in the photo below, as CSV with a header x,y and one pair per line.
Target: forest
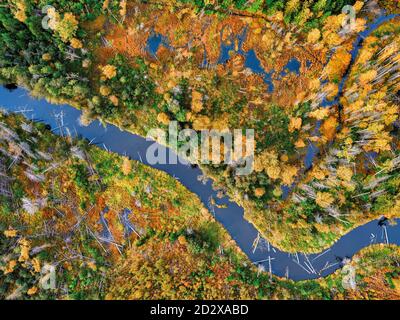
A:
x,y
168,246
286,69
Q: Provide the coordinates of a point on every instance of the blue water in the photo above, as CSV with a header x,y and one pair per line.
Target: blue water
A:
x,y
292,66
126,222
154,42
105,233
254,64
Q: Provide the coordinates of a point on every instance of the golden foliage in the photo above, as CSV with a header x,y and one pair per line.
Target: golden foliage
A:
x,y
46,56
318,173
76,43
36,264
300,144
221,123
333,23
314,84
10,267
54,18
201,122
313,36
32,291
20,13
358,6
259,192
65,27
328,128
344,173
122,6
126,166
25,246
367,77
105,91
268,162
288,175
163,118
268,38
324,199
273,172
197,103
106,3
109,71
337,65
292,6
10,233
114,100
365,55
295,124
319,114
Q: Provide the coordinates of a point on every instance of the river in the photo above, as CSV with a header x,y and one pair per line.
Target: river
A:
x,y
293,266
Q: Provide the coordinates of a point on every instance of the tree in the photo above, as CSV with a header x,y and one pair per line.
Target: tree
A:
x,y
126,166
324,199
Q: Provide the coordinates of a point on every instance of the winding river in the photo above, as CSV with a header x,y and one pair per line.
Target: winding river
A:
x,y
294,266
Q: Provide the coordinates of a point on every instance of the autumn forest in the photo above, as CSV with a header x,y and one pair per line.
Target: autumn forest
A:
x,y
317,81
